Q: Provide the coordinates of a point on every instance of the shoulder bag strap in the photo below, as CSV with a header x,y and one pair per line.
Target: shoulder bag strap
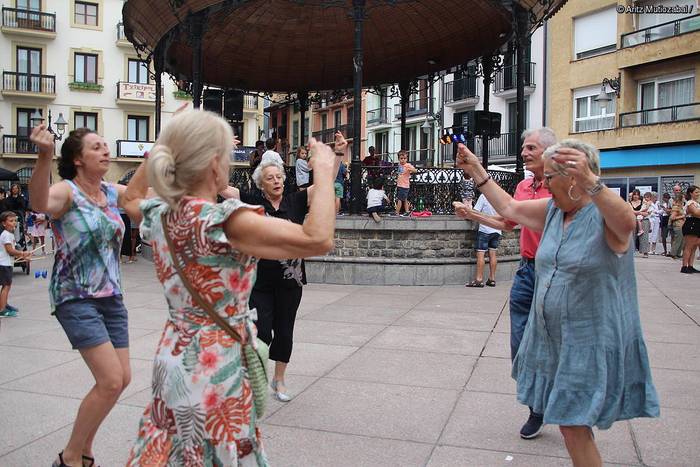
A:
x,y
195,295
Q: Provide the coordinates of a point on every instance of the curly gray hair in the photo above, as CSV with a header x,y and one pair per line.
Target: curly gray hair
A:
x,y
592,155
269,160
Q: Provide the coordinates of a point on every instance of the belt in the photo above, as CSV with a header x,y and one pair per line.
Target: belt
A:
x,y
527,260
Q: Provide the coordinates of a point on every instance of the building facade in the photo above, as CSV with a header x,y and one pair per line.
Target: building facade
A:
x,y
71,58
623,77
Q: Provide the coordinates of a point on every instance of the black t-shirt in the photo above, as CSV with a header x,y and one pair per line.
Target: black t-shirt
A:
x,y
294,207
16,204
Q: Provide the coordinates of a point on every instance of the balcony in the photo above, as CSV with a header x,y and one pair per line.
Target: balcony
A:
x,y
503,149
128,148
670,114
137,94
378,116
661,31
327,136
421,157
506,81
603,122
122,41
250,103
415,108
27,84
461,92
13,144
28,23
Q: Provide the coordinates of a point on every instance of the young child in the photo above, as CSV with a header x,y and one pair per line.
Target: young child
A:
x,y
8,219
403,183
376,198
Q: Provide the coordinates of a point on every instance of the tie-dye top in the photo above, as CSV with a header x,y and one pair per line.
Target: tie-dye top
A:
x,y
88,240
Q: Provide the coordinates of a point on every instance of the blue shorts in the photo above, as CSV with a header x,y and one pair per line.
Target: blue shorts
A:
x,y
402,193
89,322
486,241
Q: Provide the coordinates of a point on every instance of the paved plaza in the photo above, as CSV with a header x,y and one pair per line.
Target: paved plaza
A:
x,y
383,376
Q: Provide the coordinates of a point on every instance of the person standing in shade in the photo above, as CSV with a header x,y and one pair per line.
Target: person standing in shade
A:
x,y
487,239
535,141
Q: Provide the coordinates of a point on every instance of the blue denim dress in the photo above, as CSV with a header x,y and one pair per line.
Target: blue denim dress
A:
x,y
583,360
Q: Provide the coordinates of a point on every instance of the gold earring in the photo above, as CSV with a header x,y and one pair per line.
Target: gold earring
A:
x,y
571,188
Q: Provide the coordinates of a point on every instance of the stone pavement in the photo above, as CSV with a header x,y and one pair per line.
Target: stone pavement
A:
x,y
383,376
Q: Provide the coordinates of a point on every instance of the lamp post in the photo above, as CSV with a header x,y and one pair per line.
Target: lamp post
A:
x,y
615,85
60,122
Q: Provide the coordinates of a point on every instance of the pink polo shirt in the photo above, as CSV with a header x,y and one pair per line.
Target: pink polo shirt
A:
x,y
529,239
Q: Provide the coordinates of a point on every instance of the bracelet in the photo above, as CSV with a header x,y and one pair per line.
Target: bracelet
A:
x,y
596,188
488,177
339,153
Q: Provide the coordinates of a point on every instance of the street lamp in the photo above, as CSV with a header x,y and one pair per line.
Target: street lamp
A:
x,y
614,83
60,122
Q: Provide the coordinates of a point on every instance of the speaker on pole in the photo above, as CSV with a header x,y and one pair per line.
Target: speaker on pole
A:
x,y
233,105
211,100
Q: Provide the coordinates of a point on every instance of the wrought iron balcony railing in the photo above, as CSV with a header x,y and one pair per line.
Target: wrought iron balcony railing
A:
x,y
460,89
670,114
415,107
250,102
661,31
379,116
14,144
28,82
507,78
328,135
28,19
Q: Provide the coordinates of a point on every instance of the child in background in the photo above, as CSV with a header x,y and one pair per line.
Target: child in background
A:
x,y
302,169
376,196
8,219
403,183
38,230
340,186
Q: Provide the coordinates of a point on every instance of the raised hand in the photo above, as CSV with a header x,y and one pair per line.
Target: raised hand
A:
x,y
321,157
463,211
43,139
466,160
576,164
340,143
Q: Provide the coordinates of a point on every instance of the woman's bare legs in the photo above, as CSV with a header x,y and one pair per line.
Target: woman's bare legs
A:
x,y
112,373
581,446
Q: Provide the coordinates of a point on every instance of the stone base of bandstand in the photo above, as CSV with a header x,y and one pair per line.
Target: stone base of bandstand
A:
x,y
437,250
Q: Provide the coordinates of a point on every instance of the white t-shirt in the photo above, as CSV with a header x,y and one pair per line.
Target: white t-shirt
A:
x,y
483,205
374,197
302,172
5,258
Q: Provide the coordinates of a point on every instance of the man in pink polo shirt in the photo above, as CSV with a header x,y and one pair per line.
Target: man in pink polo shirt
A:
x,y
535,141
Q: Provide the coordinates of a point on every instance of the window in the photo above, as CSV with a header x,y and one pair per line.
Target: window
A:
x,y
324,121
306,131
295,133
32,5
591,115
85,120
665,93
513,115
86,13
337,119
85,68
28,69
137,128
138,71
24,128
647,20
595,34
381,143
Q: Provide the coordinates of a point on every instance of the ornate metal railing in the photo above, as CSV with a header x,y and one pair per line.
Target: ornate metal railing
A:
x,y
661,31
507,78
673,113
27,82
434,188
379,116
328,135
415,107
13,144
28,19
460,89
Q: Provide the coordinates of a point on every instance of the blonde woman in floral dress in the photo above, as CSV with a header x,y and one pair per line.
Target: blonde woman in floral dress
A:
x,y
202,410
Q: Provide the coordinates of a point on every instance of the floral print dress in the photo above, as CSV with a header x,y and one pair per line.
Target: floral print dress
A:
x,y
202,411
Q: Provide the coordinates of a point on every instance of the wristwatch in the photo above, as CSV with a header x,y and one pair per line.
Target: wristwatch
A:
x,y
596,188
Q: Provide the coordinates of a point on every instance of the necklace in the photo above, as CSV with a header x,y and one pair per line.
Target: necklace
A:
x,y
101,203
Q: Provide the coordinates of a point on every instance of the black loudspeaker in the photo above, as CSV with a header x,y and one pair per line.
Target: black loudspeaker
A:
x,y
487,123
211,100
233,105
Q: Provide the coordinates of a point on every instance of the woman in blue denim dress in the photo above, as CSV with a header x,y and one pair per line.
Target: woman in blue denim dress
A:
x,y
582,361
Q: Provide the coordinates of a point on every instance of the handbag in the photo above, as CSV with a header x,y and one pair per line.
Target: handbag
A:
x,y
255,357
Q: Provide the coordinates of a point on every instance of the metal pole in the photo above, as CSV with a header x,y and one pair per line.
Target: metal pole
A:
x,y
521,22
404,90
303,107
356,198
158,70
487,68
196,34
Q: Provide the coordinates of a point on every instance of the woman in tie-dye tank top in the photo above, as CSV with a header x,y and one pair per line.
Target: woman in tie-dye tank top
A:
x,y
85,288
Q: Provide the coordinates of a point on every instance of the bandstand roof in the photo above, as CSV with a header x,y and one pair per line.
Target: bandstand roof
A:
x,y
295,45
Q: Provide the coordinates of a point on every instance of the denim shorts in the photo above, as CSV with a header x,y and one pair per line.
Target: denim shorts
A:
x,y
486,241
89,322
5,275
402,193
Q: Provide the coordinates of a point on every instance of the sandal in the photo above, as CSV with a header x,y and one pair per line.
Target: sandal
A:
x,y
474,283
491,283
59,462
88,461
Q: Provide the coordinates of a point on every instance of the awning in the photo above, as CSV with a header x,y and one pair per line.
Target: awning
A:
x,y
644,157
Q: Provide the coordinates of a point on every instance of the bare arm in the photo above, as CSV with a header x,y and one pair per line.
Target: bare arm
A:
x,y
130,197
530,213
230,192
463,211
16,253
339,148
693,210
54,200
267,237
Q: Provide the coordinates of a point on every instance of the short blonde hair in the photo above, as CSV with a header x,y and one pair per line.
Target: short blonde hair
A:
x,y
184,149
592,155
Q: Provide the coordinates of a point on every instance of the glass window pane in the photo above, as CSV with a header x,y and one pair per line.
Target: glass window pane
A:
x,y
91,69
22,60
91,122
143,72
79,68
582,107
131,129
133,71
79,8
35,62
143,129
648,96
676,92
